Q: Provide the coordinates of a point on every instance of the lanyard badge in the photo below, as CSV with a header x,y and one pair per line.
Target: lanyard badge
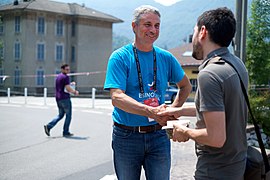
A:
x,y
151,102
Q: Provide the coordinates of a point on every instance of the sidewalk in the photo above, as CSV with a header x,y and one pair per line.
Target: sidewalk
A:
x,y
183,160
183,154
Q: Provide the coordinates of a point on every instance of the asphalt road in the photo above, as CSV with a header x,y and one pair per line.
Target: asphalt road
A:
x,y
27,153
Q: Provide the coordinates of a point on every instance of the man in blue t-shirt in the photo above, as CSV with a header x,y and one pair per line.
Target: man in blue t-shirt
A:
x,y
63,88
137,77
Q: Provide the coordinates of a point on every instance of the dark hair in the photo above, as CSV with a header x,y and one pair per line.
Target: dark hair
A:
x,y
220,24
64,66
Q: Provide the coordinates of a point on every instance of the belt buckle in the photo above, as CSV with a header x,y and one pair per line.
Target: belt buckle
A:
x,y
140,131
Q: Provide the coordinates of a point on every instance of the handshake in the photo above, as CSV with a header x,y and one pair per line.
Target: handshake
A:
x,y
168,118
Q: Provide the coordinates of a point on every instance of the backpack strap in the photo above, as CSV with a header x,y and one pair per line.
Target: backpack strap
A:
x,y
215,60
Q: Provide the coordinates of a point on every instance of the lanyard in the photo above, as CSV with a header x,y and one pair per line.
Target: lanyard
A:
x,y
139,69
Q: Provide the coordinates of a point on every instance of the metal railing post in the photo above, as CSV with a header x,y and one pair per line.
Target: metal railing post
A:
x,y
8,94
93,97
45,96
25,95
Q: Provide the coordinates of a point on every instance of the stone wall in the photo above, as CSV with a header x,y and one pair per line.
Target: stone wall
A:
x,y
252,138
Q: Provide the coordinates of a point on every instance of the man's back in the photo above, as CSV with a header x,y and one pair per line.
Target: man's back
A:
x,y
222,92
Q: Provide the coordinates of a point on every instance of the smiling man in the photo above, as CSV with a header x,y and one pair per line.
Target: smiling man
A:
x,y
137,77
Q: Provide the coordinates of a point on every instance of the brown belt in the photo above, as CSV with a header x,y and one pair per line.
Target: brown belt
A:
x,y
140,129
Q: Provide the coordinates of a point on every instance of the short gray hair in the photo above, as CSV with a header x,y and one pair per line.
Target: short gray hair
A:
x,y
144,9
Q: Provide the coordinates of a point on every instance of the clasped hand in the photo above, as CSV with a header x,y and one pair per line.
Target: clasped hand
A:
x,y
163,113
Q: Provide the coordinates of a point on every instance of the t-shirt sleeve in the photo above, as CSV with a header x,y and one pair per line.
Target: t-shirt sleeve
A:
x,y
211,93
66,81
177,73
116,74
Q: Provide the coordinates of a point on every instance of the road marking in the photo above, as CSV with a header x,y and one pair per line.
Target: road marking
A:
x,y
109,177
105,107
11,105
90,111
37,107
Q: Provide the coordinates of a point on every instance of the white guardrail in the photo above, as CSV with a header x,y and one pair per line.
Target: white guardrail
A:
x,y
45,96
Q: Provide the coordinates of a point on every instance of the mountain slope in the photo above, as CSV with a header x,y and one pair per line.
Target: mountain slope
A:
x,y
177,21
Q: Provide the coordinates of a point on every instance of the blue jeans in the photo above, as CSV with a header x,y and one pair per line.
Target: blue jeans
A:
x,y
132,150
64,107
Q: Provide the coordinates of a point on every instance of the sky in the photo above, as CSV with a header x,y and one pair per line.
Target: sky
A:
x,y
167,2
163,2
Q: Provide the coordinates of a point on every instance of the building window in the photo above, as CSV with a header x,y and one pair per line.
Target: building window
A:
x,y
59,53
17,51
1,28
17,24
41,25
1,52
72,78
40,77
1,76
73,54
195,72
193,83
57,71
40,52
17,77
1,25
59,27
73,26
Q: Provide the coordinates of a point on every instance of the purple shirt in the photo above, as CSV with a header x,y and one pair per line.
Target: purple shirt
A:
x,y
61,81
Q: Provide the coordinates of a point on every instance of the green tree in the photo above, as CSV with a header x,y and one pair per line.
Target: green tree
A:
x,y
260,107
258,42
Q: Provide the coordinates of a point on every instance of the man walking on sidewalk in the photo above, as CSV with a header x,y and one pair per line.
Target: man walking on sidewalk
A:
x,y
63,89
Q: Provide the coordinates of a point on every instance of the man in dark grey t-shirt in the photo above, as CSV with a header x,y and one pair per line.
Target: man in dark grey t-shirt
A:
x,y
221,110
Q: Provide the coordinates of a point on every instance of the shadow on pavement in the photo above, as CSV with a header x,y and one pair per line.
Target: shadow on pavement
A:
x,y
70,137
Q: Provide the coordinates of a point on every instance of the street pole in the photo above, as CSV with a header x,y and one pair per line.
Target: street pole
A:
x,y
237,38
241,24
243,31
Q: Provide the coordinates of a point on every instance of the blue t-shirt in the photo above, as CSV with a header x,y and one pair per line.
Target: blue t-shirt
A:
x,y
122,74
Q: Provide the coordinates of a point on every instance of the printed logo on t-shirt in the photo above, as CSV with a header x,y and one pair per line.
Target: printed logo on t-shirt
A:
x,y
151,86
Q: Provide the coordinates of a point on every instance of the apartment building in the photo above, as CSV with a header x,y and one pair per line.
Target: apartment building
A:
x,y
39,35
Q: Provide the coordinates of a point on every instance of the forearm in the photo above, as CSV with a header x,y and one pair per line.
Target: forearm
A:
x,y
181,97
202,136
188,111
214,133
184,87
71,90
130,105
175,112
198,135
